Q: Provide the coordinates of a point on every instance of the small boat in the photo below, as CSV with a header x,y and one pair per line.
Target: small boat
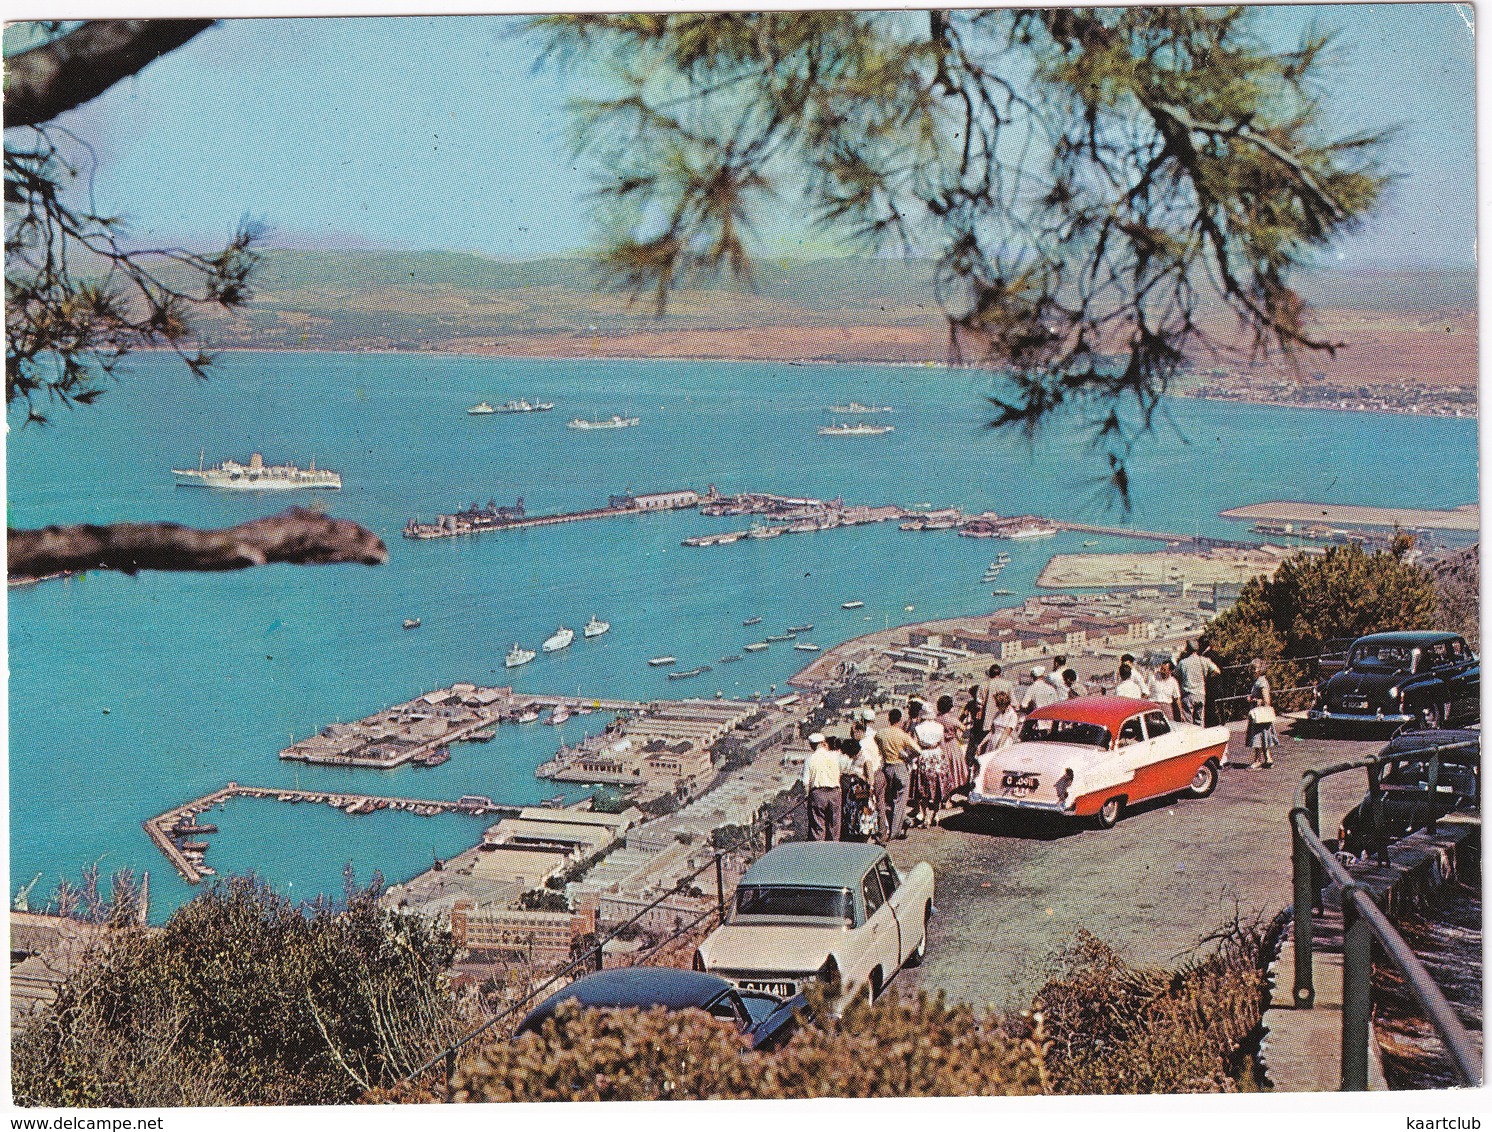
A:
x,y
660,661
595,626
525,407
437,757
805,646
757,647
861,429
411,622
206,870
761,530
730,659
1001,593
752,621
800,628
558,715
519,655
1090,542
853,605
1002,559
775,637
480,409
561,640
615,421
528,715
854,408
687,673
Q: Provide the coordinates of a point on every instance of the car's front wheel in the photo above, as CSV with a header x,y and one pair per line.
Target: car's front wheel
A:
x,y
1204,782
1109,813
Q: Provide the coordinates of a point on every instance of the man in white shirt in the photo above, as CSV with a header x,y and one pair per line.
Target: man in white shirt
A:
x,y
1041,693
1128,686
1054,677
1165,689
1137,674
821,779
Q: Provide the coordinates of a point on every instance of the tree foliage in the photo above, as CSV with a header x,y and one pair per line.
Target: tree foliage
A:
x,y
1316,598
1082,178
244,998
79,297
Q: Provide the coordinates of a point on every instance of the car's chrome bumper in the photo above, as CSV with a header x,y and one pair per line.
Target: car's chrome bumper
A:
x,y
1328,716
978,799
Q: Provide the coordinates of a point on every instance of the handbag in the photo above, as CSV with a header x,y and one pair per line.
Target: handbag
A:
x,y
1261,716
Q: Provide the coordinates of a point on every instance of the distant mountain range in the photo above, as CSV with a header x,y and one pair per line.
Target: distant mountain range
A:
x,y
460,301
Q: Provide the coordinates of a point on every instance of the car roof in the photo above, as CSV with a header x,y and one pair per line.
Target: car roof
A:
x,y
1405,637
1106,711
1413,742
815,864
641,987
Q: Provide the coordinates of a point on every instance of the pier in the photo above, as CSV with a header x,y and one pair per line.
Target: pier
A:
x,y
413,732
475,519
168,830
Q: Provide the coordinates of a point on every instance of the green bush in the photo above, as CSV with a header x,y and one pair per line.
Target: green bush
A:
x,y
243,998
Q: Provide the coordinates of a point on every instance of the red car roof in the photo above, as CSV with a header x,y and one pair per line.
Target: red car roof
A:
x,y
1106,711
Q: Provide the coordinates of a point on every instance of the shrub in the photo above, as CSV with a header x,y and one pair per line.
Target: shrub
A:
x,y
919,1047
243,998
1113,1028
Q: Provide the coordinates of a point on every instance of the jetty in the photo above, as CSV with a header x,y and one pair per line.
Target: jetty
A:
x,y
171,829
1464,518
413,732
476,519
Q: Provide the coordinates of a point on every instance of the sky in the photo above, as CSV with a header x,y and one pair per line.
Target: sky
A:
x,y
442,133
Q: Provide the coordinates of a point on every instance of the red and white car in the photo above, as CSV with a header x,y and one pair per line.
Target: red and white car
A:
x,y
1091,757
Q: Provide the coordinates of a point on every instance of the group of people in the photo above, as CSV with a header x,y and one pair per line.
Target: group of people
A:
x,y
876,782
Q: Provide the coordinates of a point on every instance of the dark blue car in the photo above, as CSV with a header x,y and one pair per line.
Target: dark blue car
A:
x,y
1422,679
766,1019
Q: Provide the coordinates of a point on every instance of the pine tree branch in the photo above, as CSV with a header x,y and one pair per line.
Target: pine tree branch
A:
x,y
58,76
298,536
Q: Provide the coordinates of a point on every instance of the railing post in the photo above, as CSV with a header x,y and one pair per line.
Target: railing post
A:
x,y
1434,784
1357,991
1313,815
450,1074
1375,808
719,887
771,833
600,957
1305,896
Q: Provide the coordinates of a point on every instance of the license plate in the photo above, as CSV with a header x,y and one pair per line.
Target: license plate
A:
x,y
779,988
1016,782
1355,703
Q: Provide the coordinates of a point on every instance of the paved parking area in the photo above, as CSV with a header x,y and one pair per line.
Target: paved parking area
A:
x,y
1013,890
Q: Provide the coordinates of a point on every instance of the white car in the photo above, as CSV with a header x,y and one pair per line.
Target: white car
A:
x,y
821,911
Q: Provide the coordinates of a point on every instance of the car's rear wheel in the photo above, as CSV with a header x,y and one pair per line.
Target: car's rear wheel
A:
x,y
1109,813
1204,782
919,953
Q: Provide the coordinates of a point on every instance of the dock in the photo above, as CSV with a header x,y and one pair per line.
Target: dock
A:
x,y
1464,518
477,519
411,732
187,859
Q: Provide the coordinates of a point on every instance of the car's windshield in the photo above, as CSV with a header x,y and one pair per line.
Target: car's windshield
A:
x,y
793,900
1382,658
1065,731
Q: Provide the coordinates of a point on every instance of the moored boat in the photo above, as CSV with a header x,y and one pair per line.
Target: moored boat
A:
x,y
775,637
480,409
519,655
688,673
800,628
756,647
752,621
411,622
861,429
560,640
660,661
730,659
595,626
806,646
852,605
560,713
614,421
256,475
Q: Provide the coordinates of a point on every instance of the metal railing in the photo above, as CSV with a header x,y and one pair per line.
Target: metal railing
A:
x,y
593,958
1314,865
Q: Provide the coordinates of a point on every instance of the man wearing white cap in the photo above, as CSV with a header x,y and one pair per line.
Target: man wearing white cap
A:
x,y
821,779
1041,693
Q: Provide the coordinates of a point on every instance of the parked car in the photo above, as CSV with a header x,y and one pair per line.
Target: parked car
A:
x,y
1421,679
822,911
766,1018
1406,798
1093,756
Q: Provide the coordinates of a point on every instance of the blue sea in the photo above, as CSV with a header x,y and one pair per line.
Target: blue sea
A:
x,y
129,695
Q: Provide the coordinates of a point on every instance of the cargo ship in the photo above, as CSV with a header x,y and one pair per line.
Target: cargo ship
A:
x,y
256,475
